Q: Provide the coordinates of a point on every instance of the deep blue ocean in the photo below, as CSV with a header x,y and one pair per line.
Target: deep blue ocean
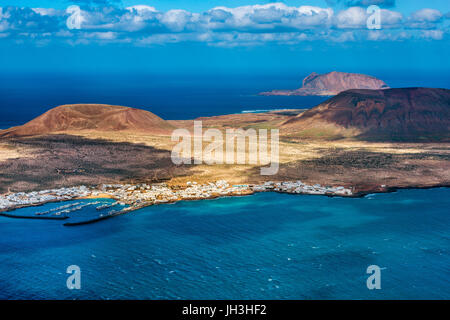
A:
x,y
265,246
24,96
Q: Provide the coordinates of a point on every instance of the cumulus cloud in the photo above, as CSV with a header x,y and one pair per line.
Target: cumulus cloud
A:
x,y
356,17
344,37
222,26
377,35
141,9
391,19
430,15
433,34
3,22
177,20
273,16
424,19
96,2
109,35
47,11
26,20
365,3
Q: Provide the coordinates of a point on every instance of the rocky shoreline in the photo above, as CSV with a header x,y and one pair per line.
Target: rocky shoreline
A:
x,y
139,196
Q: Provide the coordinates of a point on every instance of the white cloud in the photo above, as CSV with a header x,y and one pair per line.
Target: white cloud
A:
x,y
234,39
427,15
141,9
163,39
177,20
226,39
63,34
244,25
344,37
4,25
354,17
433,34
378,35
424,19
136,18
47,11
390,19
364,3
267,17
101,35
3,15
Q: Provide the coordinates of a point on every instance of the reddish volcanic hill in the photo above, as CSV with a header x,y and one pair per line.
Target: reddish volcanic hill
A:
x,y
332,83
100,117
392,114
341,81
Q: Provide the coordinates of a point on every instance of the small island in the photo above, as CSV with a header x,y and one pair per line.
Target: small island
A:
x,y
331,84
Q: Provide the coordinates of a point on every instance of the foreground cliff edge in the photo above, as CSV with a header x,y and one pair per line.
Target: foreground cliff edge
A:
x,y
361,141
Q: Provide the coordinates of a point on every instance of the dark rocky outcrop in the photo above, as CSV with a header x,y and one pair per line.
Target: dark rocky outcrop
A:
x,y
392,114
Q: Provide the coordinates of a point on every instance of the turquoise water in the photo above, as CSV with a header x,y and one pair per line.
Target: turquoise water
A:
x,y
266,246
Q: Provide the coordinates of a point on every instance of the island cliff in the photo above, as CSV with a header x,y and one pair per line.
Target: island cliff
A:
x,y
331,84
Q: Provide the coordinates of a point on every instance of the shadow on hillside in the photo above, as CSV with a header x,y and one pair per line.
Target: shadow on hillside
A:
x,y
66,160
365,169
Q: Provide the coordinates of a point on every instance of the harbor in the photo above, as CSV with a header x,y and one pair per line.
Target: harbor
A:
x,y
131,197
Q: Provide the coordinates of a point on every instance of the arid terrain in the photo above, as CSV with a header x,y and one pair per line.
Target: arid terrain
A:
x,y
122,151
407,114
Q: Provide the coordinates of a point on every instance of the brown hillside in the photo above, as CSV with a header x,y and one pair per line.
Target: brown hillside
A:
x,y
97,117
392,114
330,84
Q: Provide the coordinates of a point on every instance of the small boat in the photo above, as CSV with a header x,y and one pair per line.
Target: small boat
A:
x,y
105,206
42,213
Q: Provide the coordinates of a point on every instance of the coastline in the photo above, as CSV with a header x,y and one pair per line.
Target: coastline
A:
x,y
236,191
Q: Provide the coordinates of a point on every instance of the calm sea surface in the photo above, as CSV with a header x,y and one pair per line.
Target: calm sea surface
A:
x,y
266,246
24,96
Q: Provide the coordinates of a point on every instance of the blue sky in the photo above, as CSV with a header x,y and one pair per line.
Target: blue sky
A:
x,y
223,36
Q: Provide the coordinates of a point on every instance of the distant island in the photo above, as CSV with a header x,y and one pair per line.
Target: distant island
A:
x,y
331,84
